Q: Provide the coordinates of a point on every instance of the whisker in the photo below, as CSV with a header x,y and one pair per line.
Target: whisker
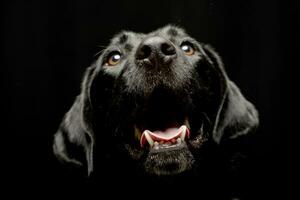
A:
x,y
102,49
206,118
99,52
101,46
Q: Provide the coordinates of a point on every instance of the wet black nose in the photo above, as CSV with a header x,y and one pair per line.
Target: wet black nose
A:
x,y
156,50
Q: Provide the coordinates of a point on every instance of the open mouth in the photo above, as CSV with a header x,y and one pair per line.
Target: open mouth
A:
x,y
168,138
162,122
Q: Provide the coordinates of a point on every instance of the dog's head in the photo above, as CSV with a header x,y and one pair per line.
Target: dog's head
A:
x,y
155,98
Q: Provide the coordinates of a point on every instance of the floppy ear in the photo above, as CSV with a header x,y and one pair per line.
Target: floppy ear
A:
x,y
236,116
74,140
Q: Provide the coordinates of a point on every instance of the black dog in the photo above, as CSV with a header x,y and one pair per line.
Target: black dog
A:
x,y
153,102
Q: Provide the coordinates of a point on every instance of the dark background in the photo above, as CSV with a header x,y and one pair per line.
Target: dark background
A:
x,y
47,45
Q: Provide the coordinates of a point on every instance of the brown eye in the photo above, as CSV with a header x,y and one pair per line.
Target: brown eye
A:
x,y
113,59
188,49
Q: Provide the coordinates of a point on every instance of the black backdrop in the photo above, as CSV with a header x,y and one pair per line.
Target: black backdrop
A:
x,y
47,45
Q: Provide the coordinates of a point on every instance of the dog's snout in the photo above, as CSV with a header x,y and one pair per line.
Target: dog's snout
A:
x,y
156,50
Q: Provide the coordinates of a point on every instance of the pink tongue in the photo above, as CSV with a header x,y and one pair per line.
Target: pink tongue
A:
x,y
166,135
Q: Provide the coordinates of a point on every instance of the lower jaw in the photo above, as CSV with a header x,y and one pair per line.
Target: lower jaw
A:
x,y
173,161
164,148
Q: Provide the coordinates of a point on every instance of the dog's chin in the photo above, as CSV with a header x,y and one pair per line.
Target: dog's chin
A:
x,y
169,160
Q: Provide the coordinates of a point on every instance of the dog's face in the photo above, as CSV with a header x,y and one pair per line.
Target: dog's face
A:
x,y
164,95
158,97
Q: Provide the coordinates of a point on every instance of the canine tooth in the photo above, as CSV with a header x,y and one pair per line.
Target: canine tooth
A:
x,y
179,140
149,139
182,136
156,145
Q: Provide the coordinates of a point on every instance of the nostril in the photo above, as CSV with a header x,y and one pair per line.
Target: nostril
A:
x,y
168,49
143,52
155,51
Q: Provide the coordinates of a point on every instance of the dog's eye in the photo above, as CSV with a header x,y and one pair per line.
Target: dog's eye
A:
x,y
113,59
187,48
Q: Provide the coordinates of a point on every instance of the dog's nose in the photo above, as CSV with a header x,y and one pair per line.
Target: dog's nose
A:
x,y
156,50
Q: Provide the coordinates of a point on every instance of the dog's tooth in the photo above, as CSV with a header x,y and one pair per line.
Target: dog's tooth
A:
x,y
183,134
178,140
149,139
156,145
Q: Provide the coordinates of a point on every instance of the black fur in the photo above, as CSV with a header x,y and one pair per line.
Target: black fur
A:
x,y
116,99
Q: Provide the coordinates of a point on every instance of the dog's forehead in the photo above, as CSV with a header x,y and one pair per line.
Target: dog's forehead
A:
x,y
129,38
126,36
170,31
